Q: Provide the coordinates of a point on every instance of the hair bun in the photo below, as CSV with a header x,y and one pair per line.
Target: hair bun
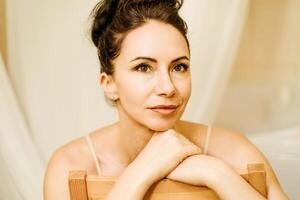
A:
x,y
105,10
171,3
102,16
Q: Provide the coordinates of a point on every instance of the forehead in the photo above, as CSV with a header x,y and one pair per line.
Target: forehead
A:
x,y
154,39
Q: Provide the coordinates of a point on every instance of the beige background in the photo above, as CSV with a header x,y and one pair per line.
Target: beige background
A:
x,y
263,93
3,30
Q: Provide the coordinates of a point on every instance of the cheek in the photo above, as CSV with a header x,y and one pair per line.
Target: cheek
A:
x,y
133,90
184,88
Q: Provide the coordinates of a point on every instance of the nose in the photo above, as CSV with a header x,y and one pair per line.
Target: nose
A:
x,y
164,85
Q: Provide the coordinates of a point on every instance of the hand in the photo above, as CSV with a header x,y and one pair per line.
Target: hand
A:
x,y
198,170
203,170
163,153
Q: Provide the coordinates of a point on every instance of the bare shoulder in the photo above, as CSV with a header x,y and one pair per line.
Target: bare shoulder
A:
x,y
234,147
61,162
229,145
237,151
74,155
195,132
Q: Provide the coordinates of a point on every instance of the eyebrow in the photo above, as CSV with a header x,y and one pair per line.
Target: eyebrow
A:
x,y
154,60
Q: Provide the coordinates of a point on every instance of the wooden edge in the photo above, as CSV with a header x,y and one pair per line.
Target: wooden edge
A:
x,y
114,179
257,178
101,178
77,185
78,181
245,176
99,186
256,167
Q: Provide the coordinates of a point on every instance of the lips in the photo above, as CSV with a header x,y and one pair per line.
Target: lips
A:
x,y
164,109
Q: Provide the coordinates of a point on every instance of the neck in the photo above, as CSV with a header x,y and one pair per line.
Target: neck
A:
x,y
134,136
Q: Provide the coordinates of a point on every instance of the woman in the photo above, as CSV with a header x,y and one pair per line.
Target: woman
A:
x,y
145,72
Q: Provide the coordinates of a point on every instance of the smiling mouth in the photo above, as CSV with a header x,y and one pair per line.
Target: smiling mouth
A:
x,y
164,109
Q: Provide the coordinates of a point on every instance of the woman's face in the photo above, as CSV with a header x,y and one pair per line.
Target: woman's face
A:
x,y
152,76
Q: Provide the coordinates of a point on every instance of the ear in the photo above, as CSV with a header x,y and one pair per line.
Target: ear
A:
x,y
109,86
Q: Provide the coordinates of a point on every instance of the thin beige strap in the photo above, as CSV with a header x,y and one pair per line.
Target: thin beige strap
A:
x,y
92,149
207,138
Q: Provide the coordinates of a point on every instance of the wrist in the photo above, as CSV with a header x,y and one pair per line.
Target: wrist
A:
x,y
211,171
139,176
220,175
144,172
228,184
131,184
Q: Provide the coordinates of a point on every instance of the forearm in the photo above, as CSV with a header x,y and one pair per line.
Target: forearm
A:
x,y
130,186
217,175
229,185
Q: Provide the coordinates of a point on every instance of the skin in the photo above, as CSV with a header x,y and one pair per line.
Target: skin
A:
x,y
142,136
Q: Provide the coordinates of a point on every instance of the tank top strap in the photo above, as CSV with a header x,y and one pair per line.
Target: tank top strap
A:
x,y
92,150
207,138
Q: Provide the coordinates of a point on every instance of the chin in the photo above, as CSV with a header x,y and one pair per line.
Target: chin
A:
x,y
160,129
161,125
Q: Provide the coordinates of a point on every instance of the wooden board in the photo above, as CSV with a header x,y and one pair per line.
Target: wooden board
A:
x,y
92,187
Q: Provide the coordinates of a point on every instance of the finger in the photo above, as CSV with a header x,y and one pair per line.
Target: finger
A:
x,y
193,150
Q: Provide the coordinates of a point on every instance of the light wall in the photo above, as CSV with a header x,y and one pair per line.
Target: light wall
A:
x,y
3,49
263,93
270,49
54,69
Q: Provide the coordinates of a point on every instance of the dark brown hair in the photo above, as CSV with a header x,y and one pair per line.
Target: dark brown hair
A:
x,y
113,19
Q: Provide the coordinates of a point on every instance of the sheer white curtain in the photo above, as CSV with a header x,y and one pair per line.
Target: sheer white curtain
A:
x,y
215,31
54,70
21,169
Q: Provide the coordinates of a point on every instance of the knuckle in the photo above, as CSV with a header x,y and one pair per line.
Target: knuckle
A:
x,y
191,149
170,132
175,141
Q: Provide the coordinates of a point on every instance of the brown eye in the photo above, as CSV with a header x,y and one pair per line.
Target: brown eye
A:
x,y
143,68
180,68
